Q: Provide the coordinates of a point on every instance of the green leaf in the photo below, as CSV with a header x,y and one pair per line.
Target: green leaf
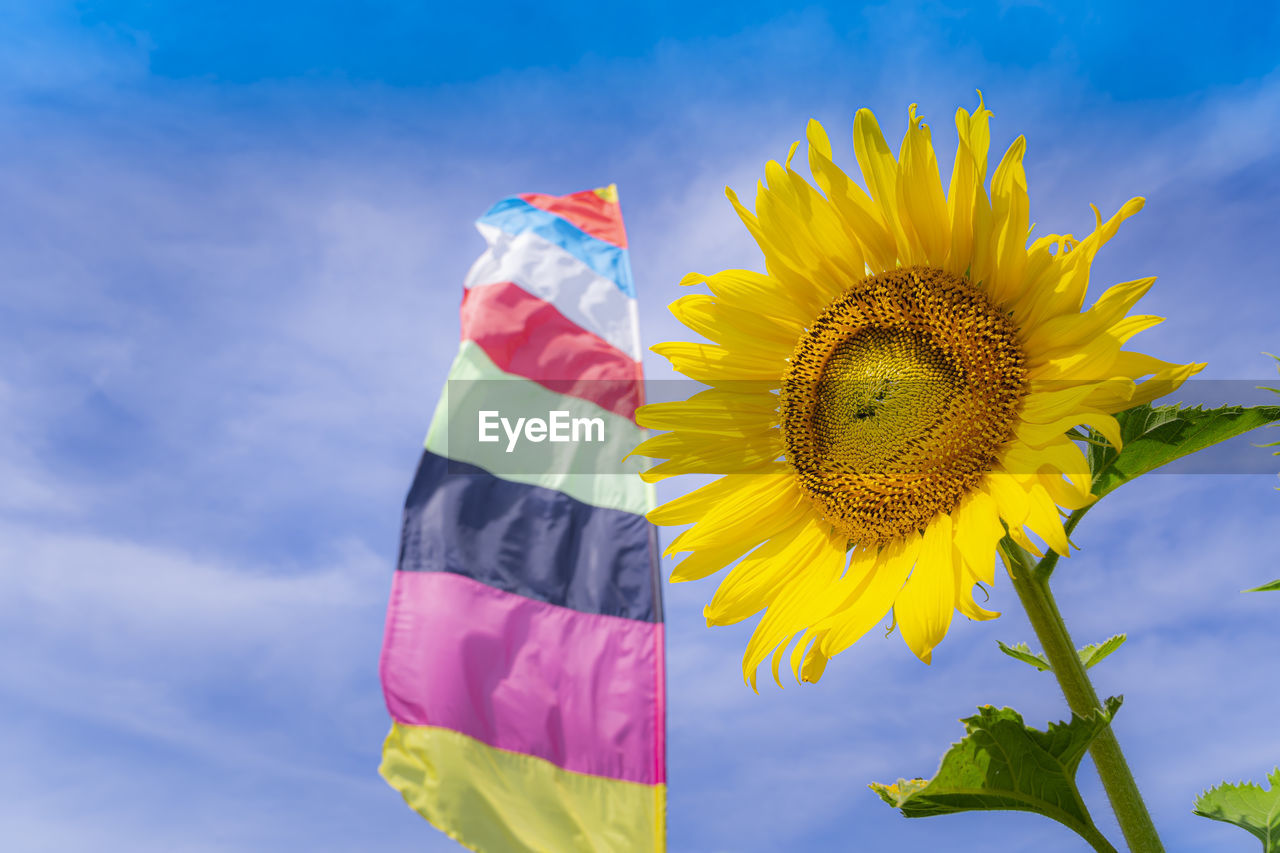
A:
x,y
1277,453
1274,586
1002,764
1089,655
1247,806
1277,390
1022,652
1095,652
1156,436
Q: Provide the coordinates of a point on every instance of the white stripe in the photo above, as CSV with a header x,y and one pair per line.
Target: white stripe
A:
x,y
550,273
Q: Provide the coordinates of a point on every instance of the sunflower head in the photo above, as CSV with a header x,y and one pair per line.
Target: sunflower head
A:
x,y
892,396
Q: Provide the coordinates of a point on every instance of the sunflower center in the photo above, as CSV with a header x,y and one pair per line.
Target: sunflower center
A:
x,y
899,399
880,390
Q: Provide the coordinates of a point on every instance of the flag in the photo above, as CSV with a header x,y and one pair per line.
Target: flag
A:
x,y
522,662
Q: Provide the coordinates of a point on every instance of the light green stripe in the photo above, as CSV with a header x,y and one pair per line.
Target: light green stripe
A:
x,y
590,471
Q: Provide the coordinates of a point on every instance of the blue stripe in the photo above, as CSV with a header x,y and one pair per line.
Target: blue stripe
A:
x,y
515,216
529,540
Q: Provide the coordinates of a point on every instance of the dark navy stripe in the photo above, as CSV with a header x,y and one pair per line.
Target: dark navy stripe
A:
x,y
515,216
529,540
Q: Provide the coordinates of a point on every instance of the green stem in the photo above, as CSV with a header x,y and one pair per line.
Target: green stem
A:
x,y
1032,585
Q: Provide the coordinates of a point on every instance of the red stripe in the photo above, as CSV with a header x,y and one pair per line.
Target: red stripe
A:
x,y
588,211
527,336
580,690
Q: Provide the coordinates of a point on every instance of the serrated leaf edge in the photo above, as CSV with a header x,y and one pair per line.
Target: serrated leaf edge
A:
x,y
1095,653
1270,843
1022,652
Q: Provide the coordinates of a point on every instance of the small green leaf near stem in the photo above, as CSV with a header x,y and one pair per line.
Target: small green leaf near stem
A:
x,y
1022,652
1093,653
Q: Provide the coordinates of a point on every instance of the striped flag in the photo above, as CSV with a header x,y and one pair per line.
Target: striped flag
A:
x,y
523,657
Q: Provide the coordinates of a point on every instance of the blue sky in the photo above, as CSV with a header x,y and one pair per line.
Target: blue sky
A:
x,y
233,241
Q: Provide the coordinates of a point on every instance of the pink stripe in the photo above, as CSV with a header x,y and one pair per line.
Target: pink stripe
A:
x,y
529,337
660,703
580,690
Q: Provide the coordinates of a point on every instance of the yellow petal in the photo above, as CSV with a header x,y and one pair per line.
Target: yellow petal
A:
x,y
965,602
925,605
1061,456
1042,273
877,582
719,411
1089,363
1075,329
1164,381
967,179
1010,212
729,324
808,593
1010,498
978,136
1113,395
1125,329
1018,535
753,291
836,244
977,532
708,561
921,197
880,172
696,504
861,216
817,246
1069,296
1044,520
815,661
1038,435
718,365
756,581
682,442
1068,495
760,505
1043,407
783,260
713,455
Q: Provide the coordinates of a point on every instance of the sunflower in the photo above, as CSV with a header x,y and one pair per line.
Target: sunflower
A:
x,y
899,391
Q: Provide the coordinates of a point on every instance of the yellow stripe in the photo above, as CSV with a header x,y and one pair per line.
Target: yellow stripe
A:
x,y
492,800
